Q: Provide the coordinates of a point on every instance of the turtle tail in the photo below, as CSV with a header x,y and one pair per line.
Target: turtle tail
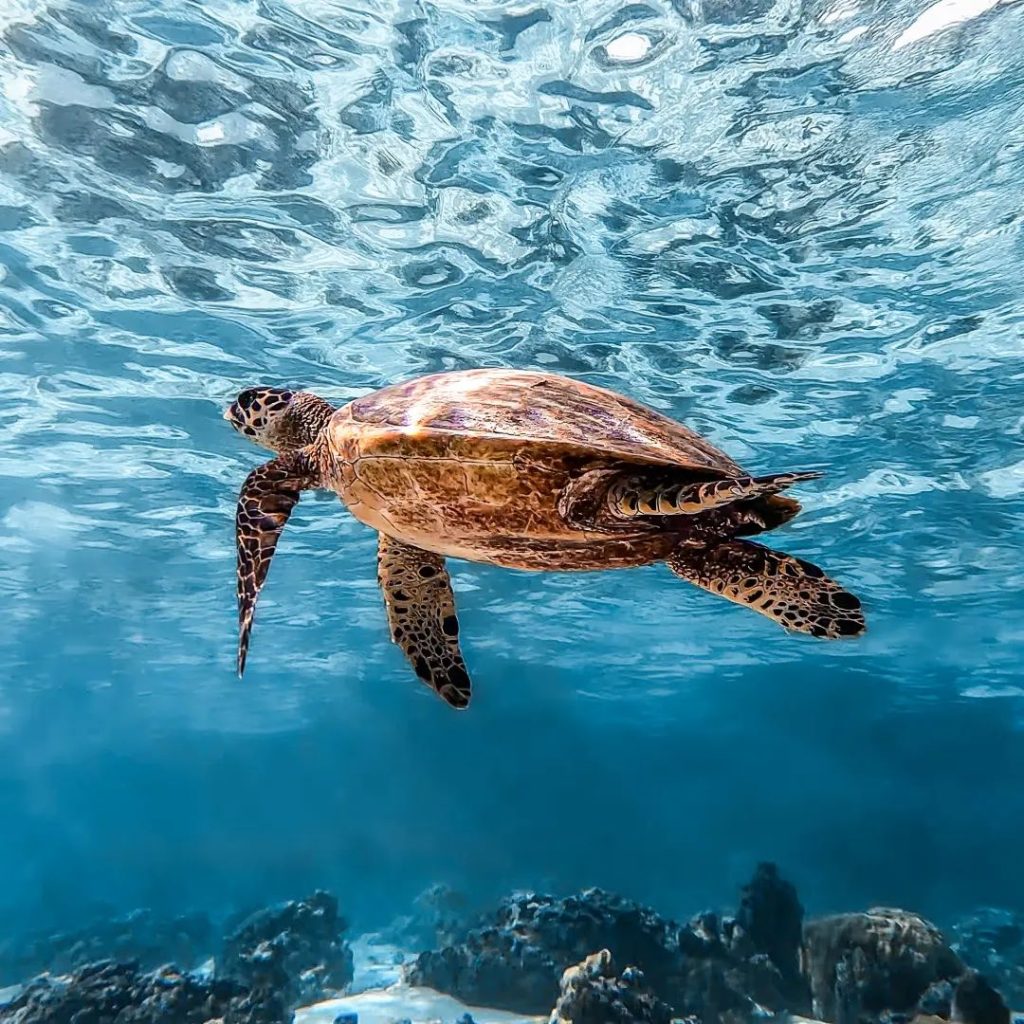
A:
x,y
773,511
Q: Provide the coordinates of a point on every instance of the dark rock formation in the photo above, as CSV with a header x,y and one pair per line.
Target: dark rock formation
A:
x,y
113,993
295,949
880,967
975,1001
992,941
861,966
747,966
516,959
142,937
770,921
593,993
716,984
714,968
749,963
937,1000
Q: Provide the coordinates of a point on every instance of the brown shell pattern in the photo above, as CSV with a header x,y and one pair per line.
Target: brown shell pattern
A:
x,y
543,409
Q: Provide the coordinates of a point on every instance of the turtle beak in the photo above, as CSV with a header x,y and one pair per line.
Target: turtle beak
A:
x,y
229,414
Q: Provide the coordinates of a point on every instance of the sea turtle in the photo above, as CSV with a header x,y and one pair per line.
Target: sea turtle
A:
x,y
524,470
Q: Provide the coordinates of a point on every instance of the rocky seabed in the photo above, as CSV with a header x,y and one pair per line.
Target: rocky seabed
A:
x,y
589,958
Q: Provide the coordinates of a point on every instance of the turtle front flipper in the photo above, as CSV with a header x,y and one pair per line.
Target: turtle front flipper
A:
x,y
421,613
269,494
795,593
633,497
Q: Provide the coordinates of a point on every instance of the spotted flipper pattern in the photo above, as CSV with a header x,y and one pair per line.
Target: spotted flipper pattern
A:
x,y
795,593
421,613
269,494
631,499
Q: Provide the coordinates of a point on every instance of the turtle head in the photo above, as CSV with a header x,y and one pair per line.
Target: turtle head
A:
x,y
277,418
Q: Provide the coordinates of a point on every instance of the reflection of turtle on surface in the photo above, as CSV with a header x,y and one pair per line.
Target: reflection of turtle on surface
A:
x,y
523,470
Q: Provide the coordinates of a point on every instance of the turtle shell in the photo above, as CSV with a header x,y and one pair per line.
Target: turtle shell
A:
x,y
543,408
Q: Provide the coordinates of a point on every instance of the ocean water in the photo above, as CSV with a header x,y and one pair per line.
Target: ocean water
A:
x,y
795,225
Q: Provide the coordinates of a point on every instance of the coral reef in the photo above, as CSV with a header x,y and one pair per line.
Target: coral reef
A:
x,y
971,1001
749,963
272,961
937,1000
975,1001
717,969
864,968
861,965
295,950
515,959
109,992
142,936
770,921
593,993
992,941
884,966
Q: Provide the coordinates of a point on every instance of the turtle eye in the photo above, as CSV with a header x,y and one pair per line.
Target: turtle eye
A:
x,y
255,399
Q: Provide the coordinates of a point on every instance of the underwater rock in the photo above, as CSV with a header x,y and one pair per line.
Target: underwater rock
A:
x,y
515,960
109,992
592,993
745,966
770,920
142,936
975,1001
992,941
718,969
763,943
294,949
937,1000
439,915
971,1001
719,989
861,966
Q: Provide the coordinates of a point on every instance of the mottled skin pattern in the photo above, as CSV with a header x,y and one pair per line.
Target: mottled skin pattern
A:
x,y
268,496
523,470
421,613
796,593
634,497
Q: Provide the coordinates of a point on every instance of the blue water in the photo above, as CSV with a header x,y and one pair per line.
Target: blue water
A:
x,y
796,226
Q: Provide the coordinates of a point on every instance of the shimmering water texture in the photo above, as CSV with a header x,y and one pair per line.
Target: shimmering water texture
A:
x,y
793,224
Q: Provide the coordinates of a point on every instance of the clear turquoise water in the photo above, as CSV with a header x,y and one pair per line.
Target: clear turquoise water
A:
x,y
794,225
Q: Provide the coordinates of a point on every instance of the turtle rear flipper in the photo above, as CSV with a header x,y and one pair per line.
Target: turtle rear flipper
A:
x,y
634,497
421,614
795,593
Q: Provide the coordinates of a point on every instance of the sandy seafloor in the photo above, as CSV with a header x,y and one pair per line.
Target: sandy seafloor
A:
x,y
417,1005
379,997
